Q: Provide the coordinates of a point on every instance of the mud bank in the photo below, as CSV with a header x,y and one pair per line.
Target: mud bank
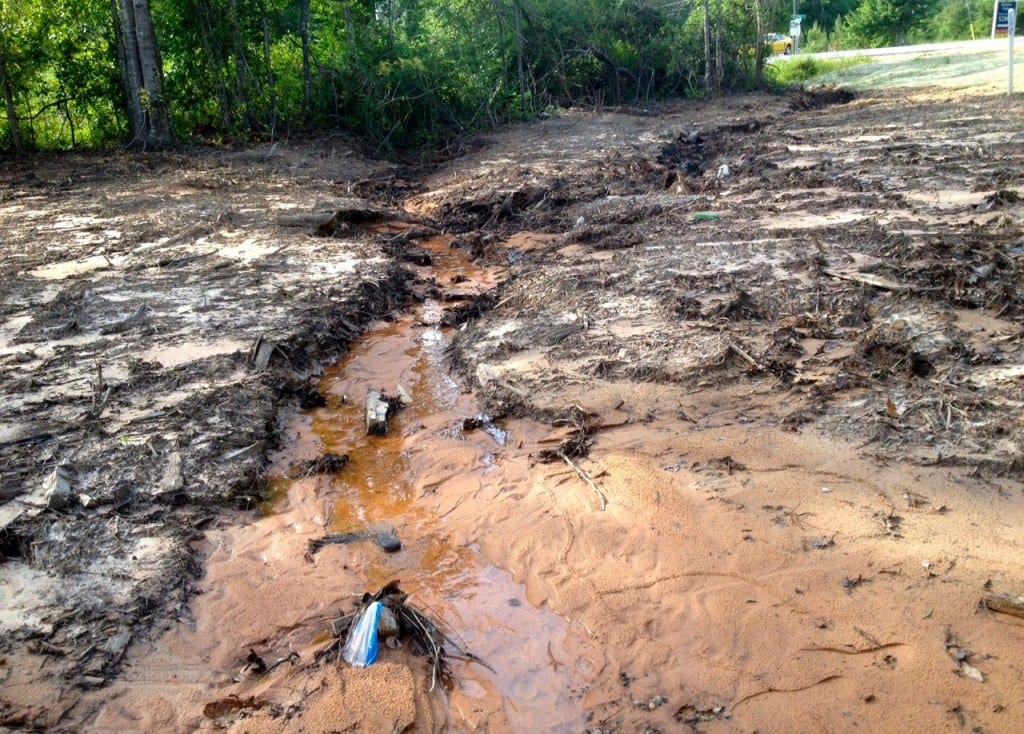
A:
x,y
156,319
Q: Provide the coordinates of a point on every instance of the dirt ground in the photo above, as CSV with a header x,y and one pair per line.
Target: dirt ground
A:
x,y
749,374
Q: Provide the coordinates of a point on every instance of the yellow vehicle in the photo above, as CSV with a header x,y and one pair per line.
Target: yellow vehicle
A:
x,y
776,43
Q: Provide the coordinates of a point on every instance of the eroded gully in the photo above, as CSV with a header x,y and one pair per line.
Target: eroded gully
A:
x,y
262,591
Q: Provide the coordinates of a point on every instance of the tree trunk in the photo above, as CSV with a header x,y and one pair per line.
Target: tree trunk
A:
x,y
149,114
350,30
68,116
242,95
12,112
759,45
391,25
719,63
307,77
520,68
271,84
220,88
708,85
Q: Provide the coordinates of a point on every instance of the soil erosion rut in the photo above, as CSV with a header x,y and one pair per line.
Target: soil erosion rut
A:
x,y
264,591
750,460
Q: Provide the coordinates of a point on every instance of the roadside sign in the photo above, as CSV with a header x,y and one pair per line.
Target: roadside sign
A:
x,y
794,26
1001,16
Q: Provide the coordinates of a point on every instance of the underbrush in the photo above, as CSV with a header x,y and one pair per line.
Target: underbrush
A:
x,y
789,72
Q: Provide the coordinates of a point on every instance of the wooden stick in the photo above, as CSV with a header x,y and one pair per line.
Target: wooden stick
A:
x,y
867,279
1005,605
586,478
739,350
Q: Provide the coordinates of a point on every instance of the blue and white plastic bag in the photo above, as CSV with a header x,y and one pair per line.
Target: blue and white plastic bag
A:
x,y
362,645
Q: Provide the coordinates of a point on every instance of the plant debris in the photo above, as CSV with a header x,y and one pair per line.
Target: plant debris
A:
x,y
324,464
416,630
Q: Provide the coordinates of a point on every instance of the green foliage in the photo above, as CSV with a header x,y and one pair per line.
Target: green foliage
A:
x,y
822,13
815,40
877,23
961,20
404,73
59,62
802,69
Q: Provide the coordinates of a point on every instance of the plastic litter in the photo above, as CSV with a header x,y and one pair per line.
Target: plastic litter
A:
x,y
362,645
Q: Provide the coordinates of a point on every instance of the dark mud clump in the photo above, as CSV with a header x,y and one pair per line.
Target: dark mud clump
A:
x,y
820,98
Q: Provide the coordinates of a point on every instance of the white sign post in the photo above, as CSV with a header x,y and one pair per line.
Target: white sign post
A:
x,y
1012,22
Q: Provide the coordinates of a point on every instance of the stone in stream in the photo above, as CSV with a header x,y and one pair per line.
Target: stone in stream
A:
x,y
376,413
382,534
388,542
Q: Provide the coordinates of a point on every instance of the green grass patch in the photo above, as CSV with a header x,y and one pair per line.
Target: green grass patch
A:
x,y
802,69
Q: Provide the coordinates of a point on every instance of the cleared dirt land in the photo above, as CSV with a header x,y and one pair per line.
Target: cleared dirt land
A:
x,y
731,441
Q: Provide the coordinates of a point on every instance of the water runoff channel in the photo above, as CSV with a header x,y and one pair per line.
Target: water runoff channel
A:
x,y
261,591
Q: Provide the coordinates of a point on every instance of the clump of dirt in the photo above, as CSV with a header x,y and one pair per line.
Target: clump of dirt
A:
x,y
820,97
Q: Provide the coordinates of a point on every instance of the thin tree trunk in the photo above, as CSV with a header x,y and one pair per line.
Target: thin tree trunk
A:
x,y
503,83
12,113
68,116
220,88
391,25
719,63
307,77
350,29
271,84
242,96
758,46
520,66
708,86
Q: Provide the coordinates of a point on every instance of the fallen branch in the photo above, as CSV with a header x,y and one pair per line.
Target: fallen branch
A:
x,y
586,478
100,395
292,657
1005,605
746,357
874,281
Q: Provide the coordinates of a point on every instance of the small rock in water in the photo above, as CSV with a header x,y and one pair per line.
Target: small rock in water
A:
x,y
387,542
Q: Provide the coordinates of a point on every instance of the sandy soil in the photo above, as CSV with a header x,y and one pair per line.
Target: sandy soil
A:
x,y
689,448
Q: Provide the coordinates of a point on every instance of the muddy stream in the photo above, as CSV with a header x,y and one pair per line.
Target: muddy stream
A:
x,y
262,590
